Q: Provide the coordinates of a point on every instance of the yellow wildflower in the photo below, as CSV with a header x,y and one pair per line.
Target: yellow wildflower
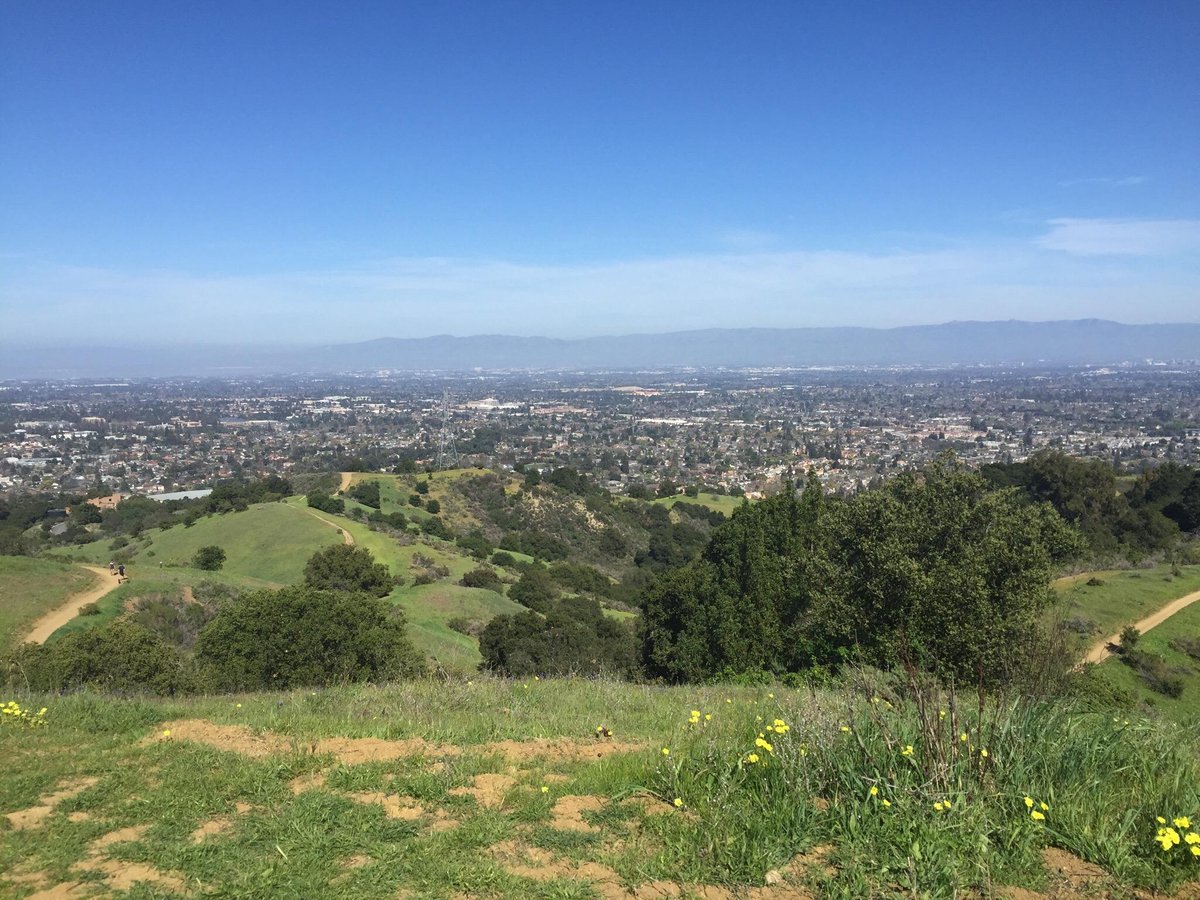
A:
x,y
666,751
939,806
752,758
1037,816
845,729
1160,820
907,751
983,753
874,791
708,717
1029,802
963,737
545,789
887,803
1192,838
678,801
1044,805
1167,838
1195,850
1182,822
166,732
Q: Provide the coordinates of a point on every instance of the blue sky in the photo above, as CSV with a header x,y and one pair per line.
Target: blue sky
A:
x,y
309,172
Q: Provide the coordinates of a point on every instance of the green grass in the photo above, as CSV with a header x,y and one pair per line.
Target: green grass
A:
x,y
722,503
150,583
269,542
429,607
30,588
1103,782
1184,624
1125,596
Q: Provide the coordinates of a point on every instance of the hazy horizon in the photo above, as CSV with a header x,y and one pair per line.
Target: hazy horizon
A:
x,y
304,173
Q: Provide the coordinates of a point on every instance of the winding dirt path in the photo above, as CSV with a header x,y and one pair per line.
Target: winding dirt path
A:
x,y
1100,651
347,480
57,618
347,537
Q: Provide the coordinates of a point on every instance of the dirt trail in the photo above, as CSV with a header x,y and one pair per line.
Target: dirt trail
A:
x,y
347,480
347,537
56,618
1100,651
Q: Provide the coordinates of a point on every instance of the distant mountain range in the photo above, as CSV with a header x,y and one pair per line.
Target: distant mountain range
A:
x,y
1068,343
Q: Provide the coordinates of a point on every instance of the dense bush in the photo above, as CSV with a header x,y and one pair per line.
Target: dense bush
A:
x,y
366,493
210,558
483,577
574,637
344,567
933,567
302,636
534,589
325,503
121,656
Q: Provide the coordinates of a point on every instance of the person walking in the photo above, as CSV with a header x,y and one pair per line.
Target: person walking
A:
x,y
112,567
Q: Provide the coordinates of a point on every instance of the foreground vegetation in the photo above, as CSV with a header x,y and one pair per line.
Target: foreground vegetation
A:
x,y
549,788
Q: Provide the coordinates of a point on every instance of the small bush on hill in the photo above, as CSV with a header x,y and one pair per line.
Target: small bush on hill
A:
x,y
325,503
1153,670
483,577
1188,646
534,590
573,638
210,558
302,636
366,493
503,558
344,567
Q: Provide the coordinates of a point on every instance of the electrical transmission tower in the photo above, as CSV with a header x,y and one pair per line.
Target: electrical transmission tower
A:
x,y
447,453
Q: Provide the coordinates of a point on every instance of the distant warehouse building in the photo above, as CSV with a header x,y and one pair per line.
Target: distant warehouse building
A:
x,y
180,495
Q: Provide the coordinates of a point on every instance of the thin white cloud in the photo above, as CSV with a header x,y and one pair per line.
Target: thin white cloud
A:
x,y
408,297
1123,237
1106,181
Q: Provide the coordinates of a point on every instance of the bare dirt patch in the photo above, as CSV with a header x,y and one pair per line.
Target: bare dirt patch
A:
x,y
240,739
120,836
442,821
211,828
66,891
1076,872
489,790
395,806
309,782
537,864
561,749
567,813
47,803
121,875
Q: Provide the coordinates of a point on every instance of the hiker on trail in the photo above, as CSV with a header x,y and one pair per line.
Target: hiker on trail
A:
x,y
121,570
111,567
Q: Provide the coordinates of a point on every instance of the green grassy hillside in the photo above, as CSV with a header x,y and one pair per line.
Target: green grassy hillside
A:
x,y
722,503
1184,624
269,543
29,588
1124,597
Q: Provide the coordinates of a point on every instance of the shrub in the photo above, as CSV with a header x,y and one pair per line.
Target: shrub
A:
x,y
534,589
463,625
120,656
573,638
433,506
325,503
344,567
366,493
209,558
483,577
503,558
303,636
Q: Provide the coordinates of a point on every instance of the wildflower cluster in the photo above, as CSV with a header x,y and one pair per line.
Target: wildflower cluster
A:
x,y
695,717
761,743
1168,837
1037,811
12,713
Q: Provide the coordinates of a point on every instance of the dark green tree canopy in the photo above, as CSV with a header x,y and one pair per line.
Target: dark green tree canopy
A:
x,y
302,636
344,567
935,567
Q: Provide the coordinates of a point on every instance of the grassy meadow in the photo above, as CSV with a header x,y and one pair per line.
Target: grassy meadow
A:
x,y
722,503
564,789
1124,597
30,588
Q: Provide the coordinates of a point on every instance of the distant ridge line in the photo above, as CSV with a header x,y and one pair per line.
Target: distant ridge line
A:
x,y
1069,342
